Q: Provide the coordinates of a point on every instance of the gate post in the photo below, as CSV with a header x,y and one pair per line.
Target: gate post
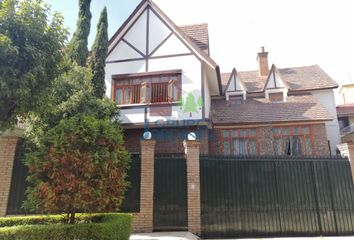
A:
x,y
191,149
143,221
8,146
347,150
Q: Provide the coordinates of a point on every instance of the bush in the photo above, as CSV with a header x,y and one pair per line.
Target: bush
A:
x,y
89,227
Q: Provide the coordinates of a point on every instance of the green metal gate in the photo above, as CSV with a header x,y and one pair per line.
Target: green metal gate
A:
x,y
170,193
270,197
18,183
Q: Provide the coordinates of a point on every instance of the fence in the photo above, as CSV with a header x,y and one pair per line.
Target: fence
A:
x,y
19,185
253,197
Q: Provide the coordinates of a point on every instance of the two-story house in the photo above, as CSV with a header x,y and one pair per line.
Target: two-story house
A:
x,y
164,80
345,111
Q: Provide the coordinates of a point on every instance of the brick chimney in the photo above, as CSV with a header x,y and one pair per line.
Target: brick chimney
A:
x,y
262,59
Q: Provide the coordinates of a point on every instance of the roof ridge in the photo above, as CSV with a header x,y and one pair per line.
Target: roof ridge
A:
x,y
193,24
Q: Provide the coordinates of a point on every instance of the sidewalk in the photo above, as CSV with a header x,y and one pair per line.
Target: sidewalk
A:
x,y
189,236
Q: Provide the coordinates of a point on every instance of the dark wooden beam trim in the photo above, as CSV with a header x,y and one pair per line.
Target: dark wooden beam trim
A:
x,y
145,106
172,55
147,39
125,60
275,82
133,47
121,29
203,89
177,35
161,43
143,74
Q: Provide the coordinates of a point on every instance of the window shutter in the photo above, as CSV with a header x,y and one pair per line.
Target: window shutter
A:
x,y
143,92
170,91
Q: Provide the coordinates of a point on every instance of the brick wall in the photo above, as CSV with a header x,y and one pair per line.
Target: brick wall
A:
x,y
320,141
143,221
7,156
193,186
347,150
168,140
265,142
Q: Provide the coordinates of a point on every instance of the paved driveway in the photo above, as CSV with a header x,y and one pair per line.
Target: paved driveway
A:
x,y
189,236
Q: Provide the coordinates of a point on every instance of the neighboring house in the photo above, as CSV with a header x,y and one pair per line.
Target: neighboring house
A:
x,y
345,112
164,80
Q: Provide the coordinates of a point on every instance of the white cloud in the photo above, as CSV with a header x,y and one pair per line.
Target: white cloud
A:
x,y
295,33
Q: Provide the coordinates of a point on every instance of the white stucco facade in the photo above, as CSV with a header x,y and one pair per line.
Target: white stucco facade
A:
x,y
149,44
327,99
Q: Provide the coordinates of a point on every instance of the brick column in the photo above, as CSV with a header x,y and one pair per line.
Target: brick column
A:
x,y
347,150
7,156
143,221
193,185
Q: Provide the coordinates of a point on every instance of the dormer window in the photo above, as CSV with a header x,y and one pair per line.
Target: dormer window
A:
x,y
276,90
238,99
147,88
276,97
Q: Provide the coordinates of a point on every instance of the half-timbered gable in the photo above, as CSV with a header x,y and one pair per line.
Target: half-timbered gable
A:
x,y
156,72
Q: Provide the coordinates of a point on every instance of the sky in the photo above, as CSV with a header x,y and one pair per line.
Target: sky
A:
x,y
295,33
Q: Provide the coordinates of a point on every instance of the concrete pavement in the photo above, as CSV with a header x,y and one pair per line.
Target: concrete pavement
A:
x,y
189,236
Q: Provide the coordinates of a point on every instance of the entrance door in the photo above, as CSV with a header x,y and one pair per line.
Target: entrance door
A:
x,y
170,193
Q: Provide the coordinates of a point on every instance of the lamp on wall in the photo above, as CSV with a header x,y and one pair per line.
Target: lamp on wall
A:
x,y
147,135
192,136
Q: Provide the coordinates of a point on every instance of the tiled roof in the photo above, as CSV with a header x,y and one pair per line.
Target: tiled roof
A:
x,y
198,33
296,108
345,110
308,77
297,78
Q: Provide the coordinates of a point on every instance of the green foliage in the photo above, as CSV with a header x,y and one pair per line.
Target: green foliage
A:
x,y
95,226
98,57
189,104
30,57
77,49
200,102
79,165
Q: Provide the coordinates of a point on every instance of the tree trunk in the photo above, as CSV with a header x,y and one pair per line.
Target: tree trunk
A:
x,y
72,218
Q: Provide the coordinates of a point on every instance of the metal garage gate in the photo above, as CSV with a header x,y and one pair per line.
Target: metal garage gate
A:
x,y
253,197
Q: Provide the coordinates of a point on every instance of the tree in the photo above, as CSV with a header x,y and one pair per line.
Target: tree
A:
x,y
98,57
77,49
77,160
189,104
79,165
30,57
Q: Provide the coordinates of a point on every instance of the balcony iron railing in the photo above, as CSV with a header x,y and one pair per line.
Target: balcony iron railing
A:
x,y
347,130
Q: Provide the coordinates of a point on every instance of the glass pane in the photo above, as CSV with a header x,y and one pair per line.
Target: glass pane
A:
x,y
243,132
235,133
296,146
155,80
226,133
240,147
296,130
277,146
287,146
286,131
252,132
308,146
226,148
305,130
276,131
119,96
252,147
165,79
175,95
127,92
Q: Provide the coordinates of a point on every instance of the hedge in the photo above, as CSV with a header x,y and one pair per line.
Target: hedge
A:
x,y
89,227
